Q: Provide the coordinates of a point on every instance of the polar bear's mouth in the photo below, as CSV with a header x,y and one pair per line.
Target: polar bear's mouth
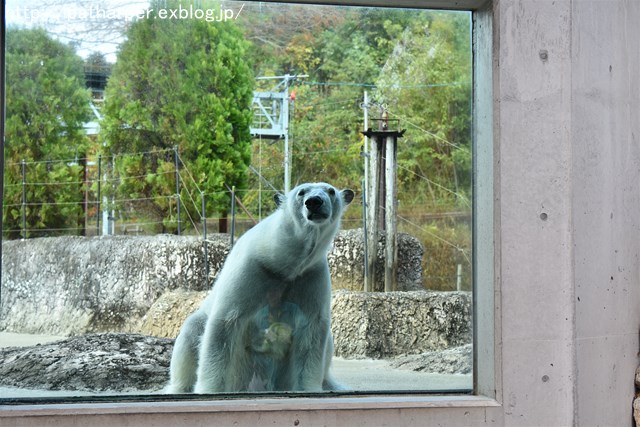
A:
x,y
317,216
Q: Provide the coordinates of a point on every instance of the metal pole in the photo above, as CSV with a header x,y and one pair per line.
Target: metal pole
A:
x,y
111,215
233,214
24,199
106,215
204,237
85,205
285,128
98,195
175,156
259,180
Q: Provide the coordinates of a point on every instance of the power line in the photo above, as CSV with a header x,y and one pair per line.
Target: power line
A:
x,y
373,85
464,199
445,241
439,138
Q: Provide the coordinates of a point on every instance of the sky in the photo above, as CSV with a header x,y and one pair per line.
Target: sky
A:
x,y
89,25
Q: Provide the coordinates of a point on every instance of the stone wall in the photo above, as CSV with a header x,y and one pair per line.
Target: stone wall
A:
x,y
383,325
74,285
364,325
346,261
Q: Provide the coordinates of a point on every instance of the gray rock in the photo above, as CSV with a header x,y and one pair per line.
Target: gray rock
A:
x,y
73,285
168,313
93,362
346,262
458,360
384,325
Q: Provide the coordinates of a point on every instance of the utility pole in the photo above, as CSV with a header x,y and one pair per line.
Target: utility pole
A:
x,y
369,206
273,106
382,197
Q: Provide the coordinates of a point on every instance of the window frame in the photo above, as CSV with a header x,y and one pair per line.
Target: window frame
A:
x,y
486,313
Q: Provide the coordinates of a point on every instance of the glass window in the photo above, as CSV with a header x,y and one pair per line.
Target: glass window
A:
x,y
148,142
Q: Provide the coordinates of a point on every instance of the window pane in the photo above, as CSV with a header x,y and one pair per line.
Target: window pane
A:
x,y
148,142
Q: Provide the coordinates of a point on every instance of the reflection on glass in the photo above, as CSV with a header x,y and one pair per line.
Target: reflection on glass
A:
x,y
161,131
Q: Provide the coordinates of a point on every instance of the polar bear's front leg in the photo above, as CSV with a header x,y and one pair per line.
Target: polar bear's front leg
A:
x,y
224,364
213,360
308,357
184,359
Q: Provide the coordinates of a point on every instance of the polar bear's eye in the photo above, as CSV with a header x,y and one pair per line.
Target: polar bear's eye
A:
x,y
332,192
301,193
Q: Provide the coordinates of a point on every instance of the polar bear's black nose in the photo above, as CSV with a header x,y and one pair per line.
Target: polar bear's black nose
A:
x,y
313,203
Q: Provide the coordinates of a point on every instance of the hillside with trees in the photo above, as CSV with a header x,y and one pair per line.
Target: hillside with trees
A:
x,y
418,66
187,84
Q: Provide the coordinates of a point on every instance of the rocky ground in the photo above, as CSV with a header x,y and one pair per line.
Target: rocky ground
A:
x,y
92,362
458,360
126,363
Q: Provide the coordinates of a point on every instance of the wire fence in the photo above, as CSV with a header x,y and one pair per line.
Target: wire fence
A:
x,y
99,210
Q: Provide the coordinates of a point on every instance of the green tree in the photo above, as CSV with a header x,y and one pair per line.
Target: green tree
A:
x,y
47,105
426,83
184,83
342,58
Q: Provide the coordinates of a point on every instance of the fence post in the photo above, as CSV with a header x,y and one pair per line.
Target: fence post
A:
x,y
382,192
99,179
367,280
175,156
373,214
233,214
82,161
206,244
24,199
391,249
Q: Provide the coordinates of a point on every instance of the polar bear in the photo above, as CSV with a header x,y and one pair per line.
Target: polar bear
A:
x,y
266,324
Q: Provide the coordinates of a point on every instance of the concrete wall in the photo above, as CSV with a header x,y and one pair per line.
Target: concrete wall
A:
x,y
605,141
568,116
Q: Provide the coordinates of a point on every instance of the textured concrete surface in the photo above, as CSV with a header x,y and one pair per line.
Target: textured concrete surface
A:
x,y
72,285
346,262
364,325
379,325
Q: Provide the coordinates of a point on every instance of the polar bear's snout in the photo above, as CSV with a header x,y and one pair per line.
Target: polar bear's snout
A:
x,y
316,208
313,203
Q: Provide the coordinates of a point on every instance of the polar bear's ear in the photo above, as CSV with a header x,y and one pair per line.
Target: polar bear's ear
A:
x,y
347,196
279,198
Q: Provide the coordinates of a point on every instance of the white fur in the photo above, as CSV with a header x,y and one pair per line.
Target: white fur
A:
x,y
266,323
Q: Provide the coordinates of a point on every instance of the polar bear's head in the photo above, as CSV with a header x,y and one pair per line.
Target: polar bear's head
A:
x,y
316,203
